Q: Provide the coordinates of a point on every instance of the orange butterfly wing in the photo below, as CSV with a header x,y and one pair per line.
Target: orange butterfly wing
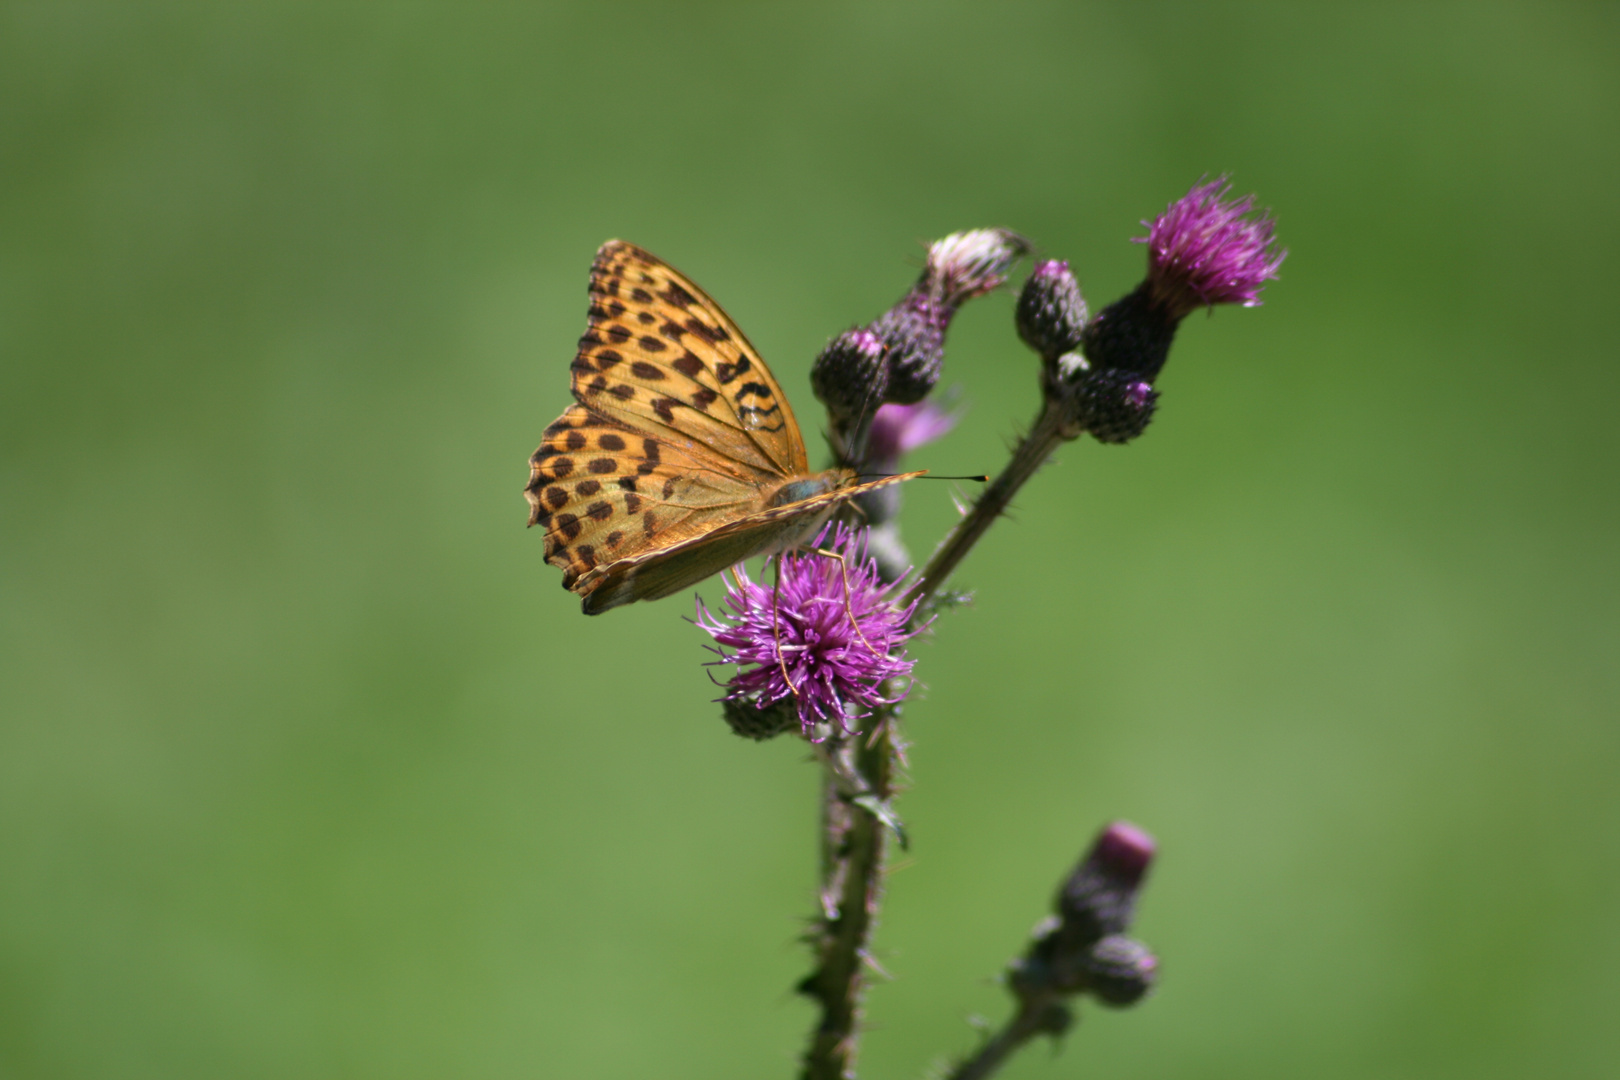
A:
x,y
660,356
664,472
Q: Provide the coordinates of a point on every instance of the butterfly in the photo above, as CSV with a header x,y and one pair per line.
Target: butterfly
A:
x,y
681,456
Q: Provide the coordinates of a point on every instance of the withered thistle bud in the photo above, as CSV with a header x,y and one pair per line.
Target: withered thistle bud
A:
x,y
971,263
850,375
1051,313
959,267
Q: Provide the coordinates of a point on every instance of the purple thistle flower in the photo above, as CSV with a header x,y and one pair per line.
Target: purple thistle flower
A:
x,y
900,429
837,676
1203,251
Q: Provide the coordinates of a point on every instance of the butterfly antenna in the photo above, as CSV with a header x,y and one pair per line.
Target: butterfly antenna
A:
x,y
980,477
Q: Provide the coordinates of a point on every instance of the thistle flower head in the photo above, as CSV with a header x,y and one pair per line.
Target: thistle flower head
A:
x,y
839,650
1205,250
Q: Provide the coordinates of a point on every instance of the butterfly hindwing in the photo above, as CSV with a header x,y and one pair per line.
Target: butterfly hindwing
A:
x,y
660,356
603,492
669,569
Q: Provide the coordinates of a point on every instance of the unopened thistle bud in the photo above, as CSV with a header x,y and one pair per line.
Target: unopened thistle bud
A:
x,y
1051,313
759,722
850,375
1099,898
1119,971
1115,406
914,333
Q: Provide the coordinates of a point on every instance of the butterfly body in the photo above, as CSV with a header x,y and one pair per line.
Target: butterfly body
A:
x,y
681,456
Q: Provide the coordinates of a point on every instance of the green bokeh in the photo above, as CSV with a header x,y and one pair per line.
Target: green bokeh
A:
x,y
309,768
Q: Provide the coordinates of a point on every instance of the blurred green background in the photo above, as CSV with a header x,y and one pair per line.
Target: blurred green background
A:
x,y
309,768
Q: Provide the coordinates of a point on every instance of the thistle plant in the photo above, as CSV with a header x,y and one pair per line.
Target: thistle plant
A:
x,y
822,653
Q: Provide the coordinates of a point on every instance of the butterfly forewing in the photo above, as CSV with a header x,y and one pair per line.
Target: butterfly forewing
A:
x,y
659,355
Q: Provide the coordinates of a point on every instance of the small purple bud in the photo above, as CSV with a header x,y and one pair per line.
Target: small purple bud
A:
x,y
850,375
1120,971
1204,250
1099,898
1051,313
1115,406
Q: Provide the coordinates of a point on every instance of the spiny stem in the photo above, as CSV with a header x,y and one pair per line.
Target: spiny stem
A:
x,y
1032,1019
853,845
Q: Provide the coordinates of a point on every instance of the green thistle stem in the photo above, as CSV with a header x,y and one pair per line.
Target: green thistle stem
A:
x,y
1054,425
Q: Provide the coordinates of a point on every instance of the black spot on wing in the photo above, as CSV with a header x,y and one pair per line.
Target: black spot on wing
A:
x,y
728,372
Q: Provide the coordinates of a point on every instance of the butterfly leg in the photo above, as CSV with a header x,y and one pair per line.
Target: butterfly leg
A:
x,y
776,625
849,603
